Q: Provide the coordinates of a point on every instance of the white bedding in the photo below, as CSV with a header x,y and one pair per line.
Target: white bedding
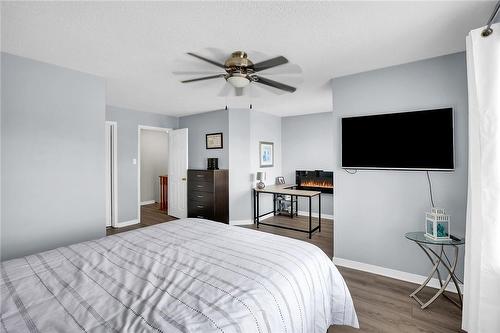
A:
x,y
189,275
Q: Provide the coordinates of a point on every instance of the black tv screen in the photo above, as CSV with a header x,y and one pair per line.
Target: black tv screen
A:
x,y
418,140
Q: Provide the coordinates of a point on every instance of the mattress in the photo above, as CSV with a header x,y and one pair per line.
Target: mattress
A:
x,y
189,275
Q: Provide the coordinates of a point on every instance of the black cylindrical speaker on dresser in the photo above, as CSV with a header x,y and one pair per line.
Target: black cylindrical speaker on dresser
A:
x,y
212,163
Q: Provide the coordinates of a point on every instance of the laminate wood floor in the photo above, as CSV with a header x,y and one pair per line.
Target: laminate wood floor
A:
x,y
150,215
322,239
382,304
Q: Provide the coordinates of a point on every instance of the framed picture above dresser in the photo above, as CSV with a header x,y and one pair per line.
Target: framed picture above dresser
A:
x,y
214,141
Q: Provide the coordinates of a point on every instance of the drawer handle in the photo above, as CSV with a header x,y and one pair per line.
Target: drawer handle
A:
x,y
200,217
200,176
199,196
199,206
200,186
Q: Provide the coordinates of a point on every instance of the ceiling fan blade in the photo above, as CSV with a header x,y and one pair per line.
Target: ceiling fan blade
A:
x,y
215,63
266,64
216,54
204,78
262,89
275,84
288,69
196,72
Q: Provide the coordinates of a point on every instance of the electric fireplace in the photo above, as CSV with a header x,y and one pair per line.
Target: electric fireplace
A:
x,y
317,180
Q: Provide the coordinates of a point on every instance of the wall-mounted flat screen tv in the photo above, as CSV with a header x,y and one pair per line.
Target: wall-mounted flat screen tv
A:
x,y
417,140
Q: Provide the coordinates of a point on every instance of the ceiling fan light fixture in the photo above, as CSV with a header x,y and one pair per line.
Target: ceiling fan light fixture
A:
x,y
238,80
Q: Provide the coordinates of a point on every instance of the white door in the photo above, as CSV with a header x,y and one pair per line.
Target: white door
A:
x,y
177,172
111,202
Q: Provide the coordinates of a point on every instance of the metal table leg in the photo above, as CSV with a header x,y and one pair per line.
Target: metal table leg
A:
x,y
257,204
319,212
431,274
310,218
430,253
254,210
296,206
274,204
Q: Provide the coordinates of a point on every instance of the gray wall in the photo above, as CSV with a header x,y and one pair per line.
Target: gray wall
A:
x,y
198,126
52,156
307,142
373,209
127,133
240,181
242,130
154,163
265,127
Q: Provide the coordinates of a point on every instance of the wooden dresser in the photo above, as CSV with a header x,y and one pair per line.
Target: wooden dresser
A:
x,y
208,194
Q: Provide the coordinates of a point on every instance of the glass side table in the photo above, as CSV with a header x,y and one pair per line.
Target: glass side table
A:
x,y
437,259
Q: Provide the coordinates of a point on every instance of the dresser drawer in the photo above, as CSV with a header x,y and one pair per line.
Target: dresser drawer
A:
x,y
200,186
201,197
200,210
200,176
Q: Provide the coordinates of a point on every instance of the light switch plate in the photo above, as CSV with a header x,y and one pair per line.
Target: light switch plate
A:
x,y
134,161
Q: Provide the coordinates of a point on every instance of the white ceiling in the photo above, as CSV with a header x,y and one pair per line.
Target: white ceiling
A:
x,y
135,46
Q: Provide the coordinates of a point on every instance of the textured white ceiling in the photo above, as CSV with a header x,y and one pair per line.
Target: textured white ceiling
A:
x,y
137,45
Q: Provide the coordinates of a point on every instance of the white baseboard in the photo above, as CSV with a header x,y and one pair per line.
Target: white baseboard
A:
x,y
240,222
125,223
149,202
247,222
306,213
266,216
392,273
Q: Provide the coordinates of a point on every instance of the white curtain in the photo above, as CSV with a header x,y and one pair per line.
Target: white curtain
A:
x,y
482,248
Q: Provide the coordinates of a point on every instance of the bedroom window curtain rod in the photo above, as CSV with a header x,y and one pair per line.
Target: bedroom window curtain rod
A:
x,y
488,31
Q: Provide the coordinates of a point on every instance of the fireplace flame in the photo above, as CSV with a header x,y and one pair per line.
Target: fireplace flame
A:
x,y
316,183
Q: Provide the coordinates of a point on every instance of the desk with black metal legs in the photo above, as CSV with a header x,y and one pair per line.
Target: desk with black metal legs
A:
x,y
286,189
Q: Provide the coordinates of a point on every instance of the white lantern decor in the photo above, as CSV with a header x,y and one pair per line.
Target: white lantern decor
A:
x,y
437,224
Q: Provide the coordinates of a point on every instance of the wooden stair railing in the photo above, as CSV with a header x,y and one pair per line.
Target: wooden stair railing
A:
x,y
164,193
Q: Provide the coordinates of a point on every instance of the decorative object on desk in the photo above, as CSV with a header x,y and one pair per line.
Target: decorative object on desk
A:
x,y
260,177
280,180
212,163
266,154
437,224
214,141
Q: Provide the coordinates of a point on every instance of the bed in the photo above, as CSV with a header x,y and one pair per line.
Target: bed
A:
x,y
189,275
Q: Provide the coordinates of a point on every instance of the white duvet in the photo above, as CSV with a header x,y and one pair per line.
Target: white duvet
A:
x,y
189,275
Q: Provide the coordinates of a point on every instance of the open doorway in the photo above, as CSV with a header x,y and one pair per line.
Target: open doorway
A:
x,y
153,162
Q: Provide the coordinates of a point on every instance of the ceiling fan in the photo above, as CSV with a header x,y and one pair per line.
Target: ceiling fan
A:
x,y
241,71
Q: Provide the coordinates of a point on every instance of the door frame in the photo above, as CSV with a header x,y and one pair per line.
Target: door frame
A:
x,y
114,162
139,128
